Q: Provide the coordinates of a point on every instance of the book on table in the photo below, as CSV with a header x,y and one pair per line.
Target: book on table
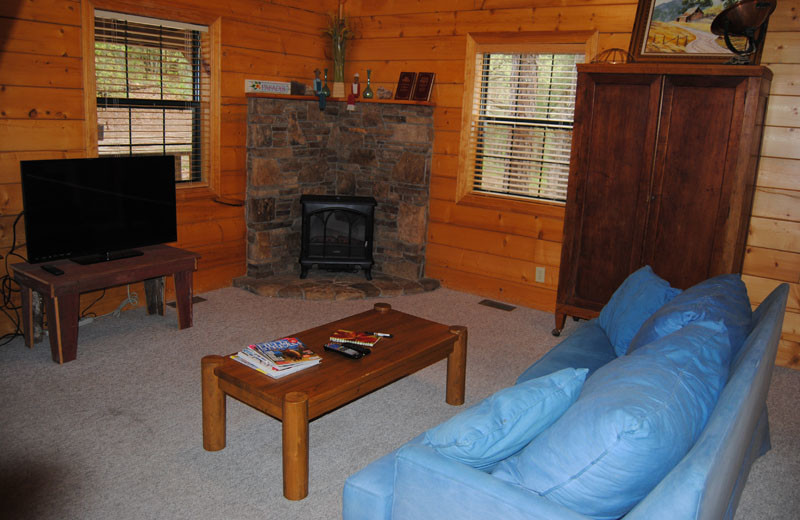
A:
x,y
277,358
359,338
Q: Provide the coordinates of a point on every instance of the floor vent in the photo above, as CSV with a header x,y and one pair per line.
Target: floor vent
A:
x,y
195,299
497,305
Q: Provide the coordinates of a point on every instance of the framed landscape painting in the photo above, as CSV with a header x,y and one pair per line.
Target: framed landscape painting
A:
x,y
680,31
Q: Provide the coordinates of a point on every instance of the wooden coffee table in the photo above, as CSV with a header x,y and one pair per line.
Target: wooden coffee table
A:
x,y
336,381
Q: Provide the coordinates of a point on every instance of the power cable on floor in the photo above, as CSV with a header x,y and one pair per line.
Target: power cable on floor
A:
x,y
9,289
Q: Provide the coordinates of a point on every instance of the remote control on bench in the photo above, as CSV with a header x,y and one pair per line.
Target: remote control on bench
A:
x,y
52,269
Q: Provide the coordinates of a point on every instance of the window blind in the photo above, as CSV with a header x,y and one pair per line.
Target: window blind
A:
x,y
521,125
152,85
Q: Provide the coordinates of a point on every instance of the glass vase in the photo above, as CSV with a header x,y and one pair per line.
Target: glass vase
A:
x,y
325,90
367,94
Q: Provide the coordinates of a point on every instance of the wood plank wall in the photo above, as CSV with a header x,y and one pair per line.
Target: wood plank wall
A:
x,y
494,253
773,248
489,252
42,108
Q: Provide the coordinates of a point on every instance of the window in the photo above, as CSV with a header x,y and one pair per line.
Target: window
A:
x,y
517,127
152,85
523,125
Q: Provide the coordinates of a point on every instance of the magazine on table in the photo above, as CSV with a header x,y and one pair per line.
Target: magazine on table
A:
x,y
278,358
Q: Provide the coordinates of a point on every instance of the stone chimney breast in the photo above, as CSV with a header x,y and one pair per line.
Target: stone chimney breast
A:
x,y
382,150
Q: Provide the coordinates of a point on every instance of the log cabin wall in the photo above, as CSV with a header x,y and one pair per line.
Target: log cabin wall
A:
x,y
42,113
773,248
488,252
494,252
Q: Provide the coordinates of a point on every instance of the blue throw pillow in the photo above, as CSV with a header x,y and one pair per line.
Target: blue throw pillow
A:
x,y
504,423
641,294
722,298
635,419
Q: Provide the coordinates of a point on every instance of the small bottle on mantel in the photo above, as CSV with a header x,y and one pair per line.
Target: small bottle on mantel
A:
x,y
325,90
317,83
355,90
368,91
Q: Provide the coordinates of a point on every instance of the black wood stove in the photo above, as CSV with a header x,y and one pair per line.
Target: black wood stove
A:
x,y
337,233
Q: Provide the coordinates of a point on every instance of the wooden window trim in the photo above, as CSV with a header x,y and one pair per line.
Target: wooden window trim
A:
x,y
522,42
210,187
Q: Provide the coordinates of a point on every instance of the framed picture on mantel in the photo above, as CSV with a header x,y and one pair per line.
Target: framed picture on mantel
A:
x,y
405,85
678,32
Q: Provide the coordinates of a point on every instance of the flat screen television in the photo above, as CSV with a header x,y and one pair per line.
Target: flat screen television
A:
x,y
98,209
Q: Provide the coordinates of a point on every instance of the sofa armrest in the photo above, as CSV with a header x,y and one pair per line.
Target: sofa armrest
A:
x,y
430,486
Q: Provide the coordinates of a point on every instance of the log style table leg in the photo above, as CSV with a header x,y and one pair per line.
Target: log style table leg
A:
x,y
27,315
62,325
154,294
213,405
37,317
32,316
457,367
295,445
183,298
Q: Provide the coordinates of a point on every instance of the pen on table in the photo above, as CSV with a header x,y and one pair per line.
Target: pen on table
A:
x,y
380,334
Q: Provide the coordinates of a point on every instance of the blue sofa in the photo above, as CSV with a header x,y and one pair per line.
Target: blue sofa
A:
x,y
695,468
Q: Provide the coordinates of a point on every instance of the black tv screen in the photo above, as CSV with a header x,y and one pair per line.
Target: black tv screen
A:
x,y
98,209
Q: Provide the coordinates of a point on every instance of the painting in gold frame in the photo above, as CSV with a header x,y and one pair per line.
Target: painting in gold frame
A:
x,y
678,32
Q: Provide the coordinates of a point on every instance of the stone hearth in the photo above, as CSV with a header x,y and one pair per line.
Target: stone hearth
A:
x,y
321,285
382,150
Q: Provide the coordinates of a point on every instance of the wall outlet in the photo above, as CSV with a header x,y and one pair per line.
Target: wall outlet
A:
x,y
540,274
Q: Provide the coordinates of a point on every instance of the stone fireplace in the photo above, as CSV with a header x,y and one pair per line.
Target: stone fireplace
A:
x,y
380,150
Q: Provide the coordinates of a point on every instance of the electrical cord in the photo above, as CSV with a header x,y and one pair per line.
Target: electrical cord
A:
x,y
9,288
10,291
88,317
85,312
132,299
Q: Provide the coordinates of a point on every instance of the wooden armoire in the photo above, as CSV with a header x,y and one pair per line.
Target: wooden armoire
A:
x,y
662,173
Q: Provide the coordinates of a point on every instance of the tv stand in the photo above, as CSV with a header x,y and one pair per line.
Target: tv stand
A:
x,y
61,293
107,257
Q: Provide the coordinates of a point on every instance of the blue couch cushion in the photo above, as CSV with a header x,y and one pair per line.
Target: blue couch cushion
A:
x,y
504,423
722,298
641,294
634,420
586,347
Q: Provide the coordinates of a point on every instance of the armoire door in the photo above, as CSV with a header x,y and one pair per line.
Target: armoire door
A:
x,y
693,178
614,135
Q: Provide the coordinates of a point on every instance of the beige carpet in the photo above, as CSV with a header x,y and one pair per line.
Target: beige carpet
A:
x,y
117,433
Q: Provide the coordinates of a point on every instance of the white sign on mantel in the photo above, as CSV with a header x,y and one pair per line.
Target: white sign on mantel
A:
x,y
268,87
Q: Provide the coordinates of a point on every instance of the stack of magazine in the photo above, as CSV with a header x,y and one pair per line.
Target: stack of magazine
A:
x,y
278,358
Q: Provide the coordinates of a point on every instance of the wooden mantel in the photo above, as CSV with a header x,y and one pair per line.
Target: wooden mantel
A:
x,y
339,100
